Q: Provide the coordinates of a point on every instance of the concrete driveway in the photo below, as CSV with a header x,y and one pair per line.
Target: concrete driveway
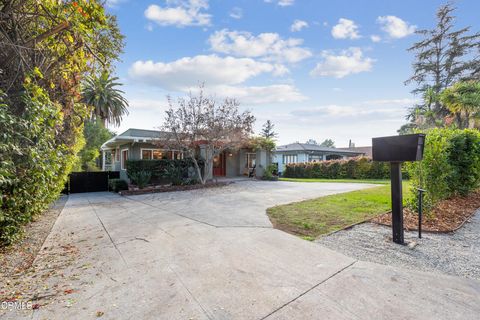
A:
x,y
212,254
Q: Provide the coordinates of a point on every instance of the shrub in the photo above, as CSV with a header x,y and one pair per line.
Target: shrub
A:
x,y
353,168
140,178
271,172
117,185
450,166
164,170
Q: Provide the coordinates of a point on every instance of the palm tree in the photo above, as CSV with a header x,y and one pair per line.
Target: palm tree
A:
x,y
463,100
108,102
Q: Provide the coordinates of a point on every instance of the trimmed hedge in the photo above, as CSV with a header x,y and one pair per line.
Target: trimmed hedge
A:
x,y
117,185
353,168
450,166
163,170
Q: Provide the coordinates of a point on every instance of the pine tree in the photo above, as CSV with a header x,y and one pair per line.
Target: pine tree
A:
x,y
267,130
443,57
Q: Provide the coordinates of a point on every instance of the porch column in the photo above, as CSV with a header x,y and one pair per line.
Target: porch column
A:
x,y
103,160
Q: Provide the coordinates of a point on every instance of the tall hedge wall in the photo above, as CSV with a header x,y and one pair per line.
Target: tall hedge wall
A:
x,y
354,168
450,166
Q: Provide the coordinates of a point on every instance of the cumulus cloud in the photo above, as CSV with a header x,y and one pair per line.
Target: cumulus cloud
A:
x,y
395,27
267,46
278,93
298,25
383,108
282,3
180,13
236,13
375,38
345,29
187,72
348,62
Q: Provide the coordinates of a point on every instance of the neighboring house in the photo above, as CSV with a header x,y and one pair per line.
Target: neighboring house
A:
x,y
137,144
309,152
367,151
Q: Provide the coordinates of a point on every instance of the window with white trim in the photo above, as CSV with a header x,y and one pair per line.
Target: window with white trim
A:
x,y
290,158
124,158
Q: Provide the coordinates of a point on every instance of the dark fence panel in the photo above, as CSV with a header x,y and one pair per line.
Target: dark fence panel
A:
x,y
79,182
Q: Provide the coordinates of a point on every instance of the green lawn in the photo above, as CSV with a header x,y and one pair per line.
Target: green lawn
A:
x,y
312,218
375,181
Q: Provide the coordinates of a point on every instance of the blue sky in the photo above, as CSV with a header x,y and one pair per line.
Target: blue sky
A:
x,y
317,69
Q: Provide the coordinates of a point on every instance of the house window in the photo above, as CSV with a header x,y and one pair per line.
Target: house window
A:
x,y
251,158
152,154
289,158
156,154
124,159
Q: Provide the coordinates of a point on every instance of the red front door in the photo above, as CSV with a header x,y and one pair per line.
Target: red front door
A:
x,y
219,165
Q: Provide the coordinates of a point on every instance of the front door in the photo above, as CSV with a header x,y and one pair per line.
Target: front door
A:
x,y
219,165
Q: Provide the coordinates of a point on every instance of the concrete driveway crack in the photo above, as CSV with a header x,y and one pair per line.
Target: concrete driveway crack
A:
x,y
106,231
307,291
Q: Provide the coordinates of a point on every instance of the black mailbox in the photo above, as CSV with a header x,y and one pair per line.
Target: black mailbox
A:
x,y
398,148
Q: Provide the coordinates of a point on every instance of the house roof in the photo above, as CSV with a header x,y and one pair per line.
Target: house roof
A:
x,y
134,135
310,147
366,150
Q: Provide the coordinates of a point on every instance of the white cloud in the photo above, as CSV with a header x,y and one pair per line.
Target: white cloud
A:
x,y
188,72
282,3
236,13
345,29
348,62
114,3
180,13
223,77
267,46
395,27
383,108
298,25
278,93
375,38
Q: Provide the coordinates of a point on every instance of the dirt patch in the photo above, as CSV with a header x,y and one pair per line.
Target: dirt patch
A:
x,y
448,215
170,188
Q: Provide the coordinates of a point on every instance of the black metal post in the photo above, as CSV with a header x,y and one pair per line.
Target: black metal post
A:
x,y
420,209
397,199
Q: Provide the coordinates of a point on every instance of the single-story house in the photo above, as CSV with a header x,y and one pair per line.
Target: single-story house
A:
x,y
138,144
309,152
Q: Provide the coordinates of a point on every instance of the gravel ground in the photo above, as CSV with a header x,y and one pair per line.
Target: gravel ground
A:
x,y
455,253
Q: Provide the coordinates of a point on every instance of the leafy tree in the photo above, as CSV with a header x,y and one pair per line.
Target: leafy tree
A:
x,y
444,56
463,101
311,141
268,130
328,143
218,126
46,48
107,101
95,134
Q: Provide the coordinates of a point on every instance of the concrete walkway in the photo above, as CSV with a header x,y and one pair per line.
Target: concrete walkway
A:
x,y
212,254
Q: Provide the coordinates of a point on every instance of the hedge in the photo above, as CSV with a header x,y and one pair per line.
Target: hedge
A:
x,y
450,166
178,171
353,168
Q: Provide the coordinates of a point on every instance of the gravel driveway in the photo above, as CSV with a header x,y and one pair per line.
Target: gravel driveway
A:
x,y
456,253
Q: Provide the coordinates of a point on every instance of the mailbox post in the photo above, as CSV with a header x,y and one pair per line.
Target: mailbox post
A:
x,y
398,149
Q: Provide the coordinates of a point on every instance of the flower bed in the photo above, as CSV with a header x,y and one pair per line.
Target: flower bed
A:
x,y
171,188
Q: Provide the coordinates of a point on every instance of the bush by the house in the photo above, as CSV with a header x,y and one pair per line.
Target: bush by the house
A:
x,y
450,166
140,178
117,185
354,168
271,172
176,172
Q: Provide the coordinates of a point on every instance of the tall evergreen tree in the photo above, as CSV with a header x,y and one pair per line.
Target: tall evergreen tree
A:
x,y
443,57
268,130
